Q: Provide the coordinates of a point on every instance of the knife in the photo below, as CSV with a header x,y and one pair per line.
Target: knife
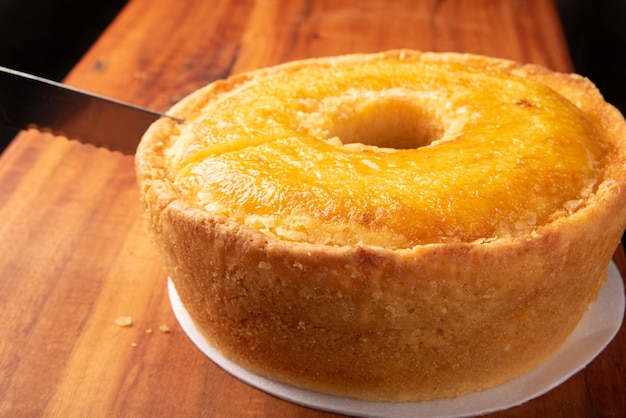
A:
x,y
28,101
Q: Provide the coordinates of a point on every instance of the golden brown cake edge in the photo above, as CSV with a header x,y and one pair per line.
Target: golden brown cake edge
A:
x,y
293,290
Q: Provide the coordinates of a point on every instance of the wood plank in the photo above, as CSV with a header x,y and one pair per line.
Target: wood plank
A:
x,y
161,62
76,255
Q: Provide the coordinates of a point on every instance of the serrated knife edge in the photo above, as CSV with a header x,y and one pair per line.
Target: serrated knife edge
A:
x,y
28,101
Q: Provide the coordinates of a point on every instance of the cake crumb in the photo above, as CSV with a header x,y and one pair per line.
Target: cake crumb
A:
x,y
164,329
572,205
124,321
149,331
133,345
265,265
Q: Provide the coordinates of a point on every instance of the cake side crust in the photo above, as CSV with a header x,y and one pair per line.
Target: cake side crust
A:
x,y
414,324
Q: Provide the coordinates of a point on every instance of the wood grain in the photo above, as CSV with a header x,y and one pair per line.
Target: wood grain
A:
x,y
75,253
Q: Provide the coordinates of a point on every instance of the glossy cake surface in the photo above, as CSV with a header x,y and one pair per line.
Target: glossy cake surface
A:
x,y
394,226
391,153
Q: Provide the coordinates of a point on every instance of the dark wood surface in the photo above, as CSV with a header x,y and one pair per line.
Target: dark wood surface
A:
x,y
75,253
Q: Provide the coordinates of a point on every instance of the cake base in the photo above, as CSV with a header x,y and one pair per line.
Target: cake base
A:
x,y
594,332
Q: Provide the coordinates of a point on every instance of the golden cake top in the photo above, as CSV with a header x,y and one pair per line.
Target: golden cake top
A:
x,y
394,152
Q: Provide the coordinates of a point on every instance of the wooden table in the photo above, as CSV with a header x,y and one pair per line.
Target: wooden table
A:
x,y
74,251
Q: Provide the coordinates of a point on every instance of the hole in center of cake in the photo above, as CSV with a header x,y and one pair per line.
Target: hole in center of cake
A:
x,y
388,122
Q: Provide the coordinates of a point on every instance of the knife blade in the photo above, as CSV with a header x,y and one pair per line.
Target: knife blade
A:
x,y
28,101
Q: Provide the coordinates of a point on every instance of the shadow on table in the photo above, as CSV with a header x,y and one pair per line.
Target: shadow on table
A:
x,y
47,38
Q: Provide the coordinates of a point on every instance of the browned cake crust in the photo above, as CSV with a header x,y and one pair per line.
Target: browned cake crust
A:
x,y
405,324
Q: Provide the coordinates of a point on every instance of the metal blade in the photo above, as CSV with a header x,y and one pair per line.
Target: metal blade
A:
x,y
27,101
